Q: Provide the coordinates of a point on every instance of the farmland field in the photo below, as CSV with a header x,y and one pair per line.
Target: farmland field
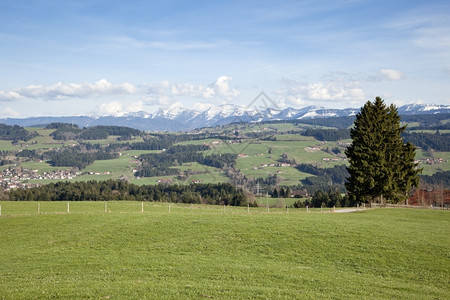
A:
x,y
197,252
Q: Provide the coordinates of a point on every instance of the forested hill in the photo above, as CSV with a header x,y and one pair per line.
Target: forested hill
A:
x,y
66,131
15,133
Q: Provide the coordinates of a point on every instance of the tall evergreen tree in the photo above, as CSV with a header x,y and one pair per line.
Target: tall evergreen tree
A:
x,y
382,166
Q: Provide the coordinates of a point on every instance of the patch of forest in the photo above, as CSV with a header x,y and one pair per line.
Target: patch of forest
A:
x,y
439,178
76,158
328,134
15,133
324,179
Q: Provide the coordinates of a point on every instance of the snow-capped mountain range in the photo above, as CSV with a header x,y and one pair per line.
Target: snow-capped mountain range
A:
x,y
183,119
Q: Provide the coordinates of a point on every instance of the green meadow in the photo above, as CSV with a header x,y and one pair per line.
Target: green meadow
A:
x,y
170,251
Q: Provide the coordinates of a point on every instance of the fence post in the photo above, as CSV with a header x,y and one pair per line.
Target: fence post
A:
x,y
306,208
142,207
106,208
39,208
169,208
0,210
68,207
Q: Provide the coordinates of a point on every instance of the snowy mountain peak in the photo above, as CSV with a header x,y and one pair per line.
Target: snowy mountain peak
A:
x,y
175,112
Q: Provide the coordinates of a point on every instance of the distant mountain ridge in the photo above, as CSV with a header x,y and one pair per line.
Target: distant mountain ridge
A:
x,y
183,119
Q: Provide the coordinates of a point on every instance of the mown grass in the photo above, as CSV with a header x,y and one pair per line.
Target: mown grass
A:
x,y
208,252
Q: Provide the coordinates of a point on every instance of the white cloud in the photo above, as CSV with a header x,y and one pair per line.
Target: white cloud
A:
x,y
160,93
8,113
118,109
186,89
10,96
110,108
208,92
390,74
60,91
165,93
222,88
136,106
334,88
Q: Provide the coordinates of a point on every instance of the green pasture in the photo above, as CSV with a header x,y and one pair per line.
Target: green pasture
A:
x,y
8,146
266,200
196,167
114,139
197,252
430,169
44,140
122,166
442,131
285,173
294,137
198,142
200,173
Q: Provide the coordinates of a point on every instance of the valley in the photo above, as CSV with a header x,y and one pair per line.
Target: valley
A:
x,y
262,156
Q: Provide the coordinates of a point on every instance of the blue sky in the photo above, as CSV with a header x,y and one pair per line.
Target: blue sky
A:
x,y
113,57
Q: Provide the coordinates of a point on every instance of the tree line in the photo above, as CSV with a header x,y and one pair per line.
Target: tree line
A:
x,y
328,134
217,194
437,141
439,178
326,199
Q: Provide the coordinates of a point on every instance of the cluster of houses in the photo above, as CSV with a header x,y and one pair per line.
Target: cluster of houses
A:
x,y
261,166
431,161
333,158
12,178
19,177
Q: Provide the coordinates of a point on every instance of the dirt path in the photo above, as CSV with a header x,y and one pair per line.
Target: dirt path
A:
x,y
347,210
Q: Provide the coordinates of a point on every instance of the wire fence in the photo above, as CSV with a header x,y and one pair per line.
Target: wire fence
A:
x,y
22,208
444,206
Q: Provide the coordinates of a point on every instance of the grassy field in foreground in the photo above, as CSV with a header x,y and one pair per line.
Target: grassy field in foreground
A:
x,y
205,252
